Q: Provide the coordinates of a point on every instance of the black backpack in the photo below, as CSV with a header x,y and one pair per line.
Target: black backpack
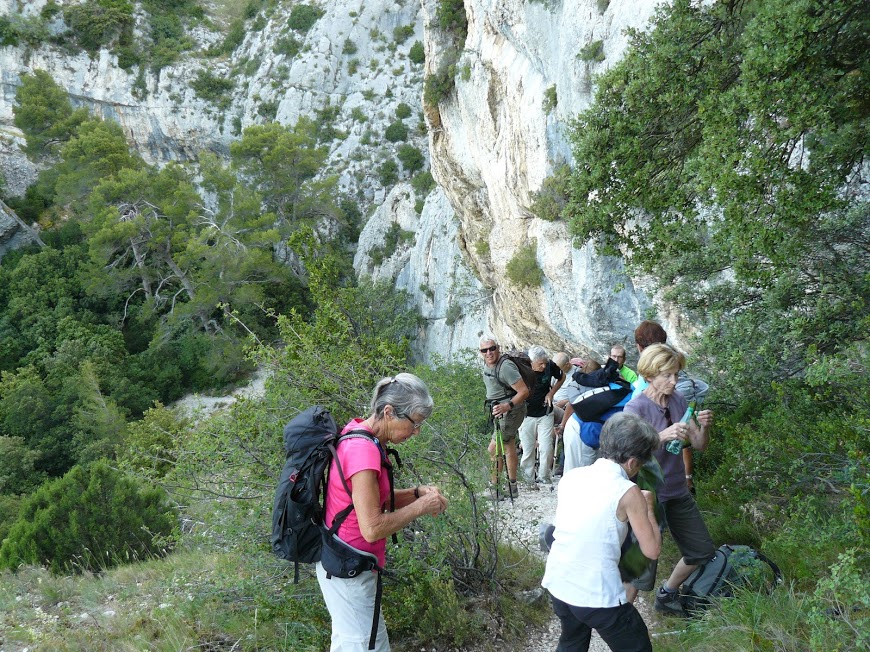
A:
x,y
297,514
524,365
731,567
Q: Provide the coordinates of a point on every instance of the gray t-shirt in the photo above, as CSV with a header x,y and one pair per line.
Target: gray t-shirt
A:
x,y
508,374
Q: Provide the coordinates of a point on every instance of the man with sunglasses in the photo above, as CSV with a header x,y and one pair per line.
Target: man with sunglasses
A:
x,y
506,395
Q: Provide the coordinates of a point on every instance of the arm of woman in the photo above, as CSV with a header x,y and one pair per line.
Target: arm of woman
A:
x,y
407,496
639,507
375,524
699,434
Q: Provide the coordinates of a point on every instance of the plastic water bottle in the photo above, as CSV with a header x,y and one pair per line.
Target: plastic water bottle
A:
x,y
675,446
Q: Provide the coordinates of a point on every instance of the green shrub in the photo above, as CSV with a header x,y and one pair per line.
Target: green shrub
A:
x,y
358,115
402,33
388,172
523,269
417,54
550,99
549,202
423,183
92,518
438,86
592,52
288,45
234,38
97,23
16,28
395,132
352,66
213,88
450,15
403,111
302,17
412,158
152,443
349,47
268,110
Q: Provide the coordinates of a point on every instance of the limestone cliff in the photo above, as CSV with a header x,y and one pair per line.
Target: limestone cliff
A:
x,y
491,143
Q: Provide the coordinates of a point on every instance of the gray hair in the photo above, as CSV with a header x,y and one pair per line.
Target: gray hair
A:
x,y
625,436
406,393
488,338
538,353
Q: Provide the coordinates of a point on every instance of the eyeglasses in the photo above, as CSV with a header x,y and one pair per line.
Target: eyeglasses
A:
x,y
489,349
417,426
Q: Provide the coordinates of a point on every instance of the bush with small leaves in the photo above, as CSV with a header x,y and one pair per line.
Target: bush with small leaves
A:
x,y
403,111
388,172
288,45
523,269
551,99
402,33
412,158
349,47
423,183
417,54
592,52
92,518
303,17
396,132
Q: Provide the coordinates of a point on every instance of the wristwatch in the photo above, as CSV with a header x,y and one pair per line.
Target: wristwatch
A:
x,y
511,403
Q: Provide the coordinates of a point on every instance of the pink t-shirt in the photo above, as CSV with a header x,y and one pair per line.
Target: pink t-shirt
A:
x,y
355,455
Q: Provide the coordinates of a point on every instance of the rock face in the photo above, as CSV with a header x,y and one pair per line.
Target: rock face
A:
x,y
491,143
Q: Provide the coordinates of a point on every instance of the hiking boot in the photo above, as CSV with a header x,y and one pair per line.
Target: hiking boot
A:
x,y
668,602
557,470
496,493
515,491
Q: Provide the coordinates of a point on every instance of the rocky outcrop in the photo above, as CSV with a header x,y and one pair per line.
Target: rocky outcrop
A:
x,y
491,142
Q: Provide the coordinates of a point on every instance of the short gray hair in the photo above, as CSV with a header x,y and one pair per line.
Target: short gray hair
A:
x,y
538,353
406,393
488,338
625,436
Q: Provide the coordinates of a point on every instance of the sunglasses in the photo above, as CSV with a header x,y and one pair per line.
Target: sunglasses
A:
x,y
489,349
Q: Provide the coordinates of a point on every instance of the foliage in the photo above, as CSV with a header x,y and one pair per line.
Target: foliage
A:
x,y
16,28
349,47
403,111
98,23
549,202
283,163
840,605
416,54
394,238
396,131
423,183
551,100
91,519
43,112
213,88
388,172
152,443
438,85
747,204
288,45
412,158
593,51
303,16
450,15
523,269
402,33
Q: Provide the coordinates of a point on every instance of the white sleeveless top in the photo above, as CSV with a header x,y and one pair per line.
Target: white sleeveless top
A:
x,y
583,564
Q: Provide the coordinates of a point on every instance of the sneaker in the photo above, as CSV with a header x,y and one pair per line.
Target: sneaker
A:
x,y
531,486
515,491
668,602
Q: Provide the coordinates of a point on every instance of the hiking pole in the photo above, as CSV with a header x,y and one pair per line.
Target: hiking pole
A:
x,y
499,451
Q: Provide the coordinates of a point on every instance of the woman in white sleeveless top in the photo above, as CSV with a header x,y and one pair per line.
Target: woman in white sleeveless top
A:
x,y
595,506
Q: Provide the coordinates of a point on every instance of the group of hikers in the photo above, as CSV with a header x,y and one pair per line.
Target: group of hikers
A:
x,y
596,500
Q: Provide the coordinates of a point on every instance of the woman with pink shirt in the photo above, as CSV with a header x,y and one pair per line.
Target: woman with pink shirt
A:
x,y
399,406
